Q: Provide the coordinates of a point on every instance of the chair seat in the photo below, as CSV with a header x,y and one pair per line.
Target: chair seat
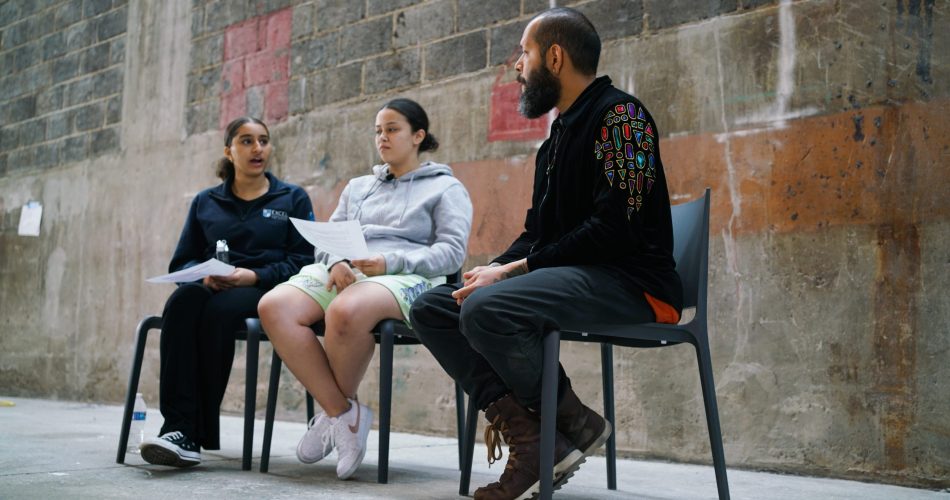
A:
x,y
402,334
648,335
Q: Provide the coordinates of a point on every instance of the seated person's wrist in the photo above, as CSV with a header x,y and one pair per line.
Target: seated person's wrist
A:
x,y
346,261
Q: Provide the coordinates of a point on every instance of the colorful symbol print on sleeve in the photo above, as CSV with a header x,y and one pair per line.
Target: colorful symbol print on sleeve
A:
x,y
626,151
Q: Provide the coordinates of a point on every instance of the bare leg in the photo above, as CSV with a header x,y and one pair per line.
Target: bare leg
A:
x,y
350,319
286,313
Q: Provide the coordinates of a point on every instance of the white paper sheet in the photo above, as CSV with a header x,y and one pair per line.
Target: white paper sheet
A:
x,y
210,267
344,239
30,216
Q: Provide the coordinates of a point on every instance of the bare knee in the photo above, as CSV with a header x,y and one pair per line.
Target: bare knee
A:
x,y
285,309
343,317
269,310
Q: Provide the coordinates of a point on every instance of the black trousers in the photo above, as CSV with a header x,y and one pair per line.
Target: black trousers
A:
x,y
197,350
492,344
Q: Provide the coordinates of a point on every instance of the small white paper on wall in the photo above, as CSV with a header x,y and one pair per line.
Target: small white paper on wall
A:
x,y
30,217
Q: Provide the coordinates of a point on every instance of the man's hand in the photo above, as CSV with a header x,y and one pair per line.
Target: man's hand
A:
x,y
483,276
240,277
373,266
341,276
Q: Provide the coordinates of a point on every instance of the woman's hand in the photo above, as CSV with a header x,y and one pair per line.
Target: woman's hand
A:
x,y
240,277
341,276
373,266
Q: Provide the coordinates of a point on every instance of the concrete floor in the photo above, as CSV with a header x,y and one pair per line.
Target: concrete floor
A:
x,y
54,449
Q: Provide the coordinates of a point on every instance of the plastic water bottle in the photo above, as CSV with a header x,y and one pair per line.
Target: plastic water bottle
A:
x,y
137,430
221,251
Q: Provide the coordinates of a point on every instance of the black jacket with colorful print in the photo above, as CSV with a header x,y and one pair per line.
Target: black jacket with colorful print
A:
x,y
600,195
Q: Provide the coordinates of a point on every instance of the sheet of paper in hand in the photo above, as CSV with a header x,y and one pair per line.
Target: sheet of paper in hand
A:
x,y
210,267
344,239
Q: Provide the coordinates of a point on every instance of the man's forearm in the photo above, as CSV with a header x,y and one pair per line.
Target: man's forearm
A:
x,y
516,268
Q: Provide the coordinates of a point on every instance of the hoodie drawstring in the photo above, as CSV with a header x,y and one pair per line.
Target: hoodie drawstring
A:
x,y
408,197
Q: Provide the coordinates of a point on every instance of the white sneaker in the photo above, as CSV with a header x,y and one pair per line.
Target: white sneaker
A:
x,y
350,431
317,443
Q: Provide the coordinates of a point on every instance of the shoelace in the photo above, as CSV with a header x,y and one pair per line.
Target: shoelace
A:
x,y
330,436
174,435
494,437
327,437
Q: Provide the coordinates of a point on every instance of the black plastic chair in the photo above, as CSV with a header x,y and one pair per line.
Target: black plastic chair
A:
x,y
691,251
387,333
250,386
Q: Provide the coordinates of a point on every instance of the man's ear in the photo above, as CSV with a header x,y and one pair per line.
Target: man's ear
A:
x,y
555,59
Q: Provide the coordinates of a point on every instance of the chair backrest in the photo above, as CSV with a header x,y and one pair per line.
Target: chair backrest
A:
x,y
691,249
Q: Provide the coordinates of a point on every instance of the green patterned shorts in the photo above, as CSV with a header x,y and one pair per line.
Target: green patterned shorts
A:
x,y
405,288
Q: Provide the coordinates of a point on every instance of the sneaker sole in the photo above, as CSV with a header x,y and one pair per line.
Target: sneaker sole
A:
x,y
157,454
311,460
356,465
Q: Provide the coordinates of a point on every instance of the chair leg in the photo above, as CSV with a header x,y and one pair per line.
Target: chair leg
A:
x,y
250,391
141,335
471,424
385,398
310,411
549,378
272,387
460,420
607,373
712,417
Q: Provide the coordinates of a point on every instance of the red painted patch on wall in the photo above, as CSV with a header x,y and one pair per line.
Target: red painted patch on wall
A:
x,y
257,55
506,123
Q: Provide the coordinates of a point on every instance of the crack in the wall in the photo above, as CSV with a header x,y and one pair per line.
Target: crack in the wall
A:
x,y
729,241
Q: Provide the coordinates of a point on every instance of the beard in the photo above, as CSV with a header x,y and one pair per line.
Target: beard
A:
x,y
541,92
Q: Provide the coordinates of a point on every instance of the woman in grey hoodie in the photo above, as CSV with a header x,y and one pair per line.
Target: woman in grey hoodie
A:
x,y
416,219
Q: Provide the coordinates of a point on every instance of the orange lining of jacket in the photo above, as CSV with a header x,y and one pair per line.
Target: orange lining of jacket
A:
x,y
664,312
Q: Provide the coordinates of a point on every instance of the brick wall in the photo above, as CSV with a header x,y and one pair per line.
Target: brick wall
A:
x,y
61,83
354,51
61,88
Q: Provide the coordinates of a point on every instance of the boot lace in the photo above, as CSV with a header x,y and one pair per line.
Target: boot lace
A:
x,y
494,437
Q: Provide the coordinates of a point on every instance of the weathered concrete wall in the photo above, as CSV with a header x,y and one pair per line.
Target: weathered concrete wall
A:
x,y
821,127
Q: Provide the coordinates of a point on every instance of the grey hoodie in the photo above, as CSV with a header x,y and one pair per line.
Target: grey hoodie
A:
x,y
419,222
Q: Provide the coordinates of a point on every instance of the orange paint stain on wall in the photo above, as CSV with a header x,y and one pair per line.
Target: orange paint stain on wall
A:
x,y
860,167
501,195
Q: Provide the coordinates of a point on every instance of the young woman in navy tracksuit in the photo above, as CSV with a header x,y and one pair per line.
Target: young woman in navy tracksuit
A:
x,y
251,210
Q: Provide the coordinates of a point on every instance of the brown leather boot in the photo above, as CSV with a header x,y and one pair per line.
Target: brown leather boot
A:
x,y
583,427
521,430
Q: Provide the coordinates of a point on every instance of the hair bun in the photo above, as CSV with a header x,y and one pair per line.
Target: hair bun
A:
x,y
429,143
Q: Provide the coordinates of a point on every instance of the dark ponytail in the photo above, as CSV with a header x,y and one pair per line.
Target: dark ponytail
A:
x,y
417,118
225,169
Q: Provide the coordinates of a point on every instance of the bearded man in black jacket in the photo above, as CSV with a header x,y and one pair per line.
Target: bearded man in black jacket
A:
x,y
597,247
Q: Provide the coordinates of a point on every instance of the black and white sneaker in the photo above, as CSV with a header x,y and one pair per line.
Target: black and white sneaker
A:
x,y
171,448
